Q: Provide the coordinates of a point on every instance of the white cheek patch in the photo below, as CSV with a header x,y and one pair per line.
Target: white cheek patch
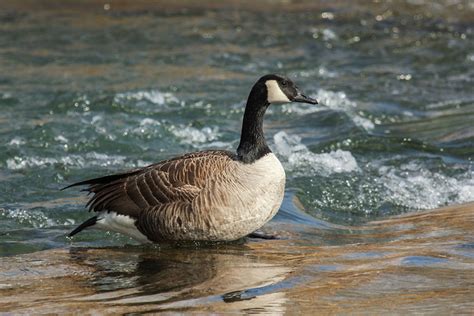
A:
x,y
275,95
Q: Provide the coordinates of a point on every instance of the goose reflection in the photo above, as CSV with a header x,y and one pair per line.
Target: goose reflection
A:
x,y
229,277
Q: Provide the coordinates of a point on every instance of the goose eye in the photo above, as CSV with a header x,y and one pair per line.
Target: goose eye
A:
x,y
284,83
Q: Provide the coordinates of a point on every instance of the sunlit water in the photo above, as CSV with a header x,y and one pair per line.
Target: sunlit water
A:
x,y
92,89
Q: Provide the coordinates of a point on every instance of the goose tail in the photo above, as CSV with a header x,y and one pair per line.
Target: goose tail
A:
x,y
90,222
97,182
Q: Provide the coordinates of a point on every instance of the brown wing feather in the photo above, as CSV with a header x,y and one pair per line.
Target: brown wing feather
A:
x,y
175,180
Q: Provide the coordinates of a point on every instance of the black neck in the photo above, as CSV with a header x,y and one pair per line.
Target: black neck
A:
x,y
252,141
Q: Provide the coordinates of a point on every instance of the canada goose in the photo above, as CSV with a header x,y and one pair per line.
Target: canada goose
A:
x,y
212,195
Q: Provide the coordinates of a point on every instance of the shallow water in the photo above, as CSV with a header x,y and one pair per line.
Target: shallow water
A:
x,y
421,263
90,89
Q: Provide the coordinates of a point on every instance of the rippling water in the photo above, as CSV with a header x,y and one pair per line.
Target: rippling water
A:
x,y
89,89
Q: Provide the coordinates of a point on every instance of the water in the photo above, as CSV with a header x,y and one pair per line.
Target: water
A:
x,y
92,89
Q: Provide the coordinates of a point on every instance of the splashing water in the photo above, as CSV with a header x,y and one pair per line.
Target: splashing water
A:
x,y
299,159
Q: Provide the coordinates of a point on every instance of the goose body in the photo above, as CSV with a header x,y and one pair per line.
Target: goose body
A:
x,y
207,195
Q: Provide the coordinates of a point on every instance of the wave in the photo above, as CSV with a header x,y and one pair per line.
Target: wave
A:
x,y
337,101
413,186
92,159
32,218
152,96
299,159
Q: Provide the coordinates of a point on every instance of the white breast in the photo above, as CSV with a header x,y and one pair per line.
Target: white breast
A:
x,y
265,183
250,198
266,171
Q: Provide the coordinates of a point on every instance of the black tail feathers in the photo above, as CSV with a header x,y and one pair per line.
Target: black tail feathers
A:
x,y
90,222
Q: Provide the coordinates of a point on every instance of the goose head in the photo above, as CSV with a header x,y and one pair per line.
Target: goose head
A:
x,y
267,90
280,89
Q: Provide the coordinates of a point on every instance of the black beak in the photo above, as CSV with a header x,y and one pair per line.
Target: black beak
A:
x,y
304,99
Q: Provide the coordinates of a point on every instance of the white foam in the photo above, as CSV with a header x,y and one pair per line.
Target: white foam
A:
x,y
149,121
413,186
17,163
91,159
31,217
153,96
337,101
329,35
340,102
194,136
321,71
17,141
61,139
363,122
147,126
298,158
300,108
326,73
